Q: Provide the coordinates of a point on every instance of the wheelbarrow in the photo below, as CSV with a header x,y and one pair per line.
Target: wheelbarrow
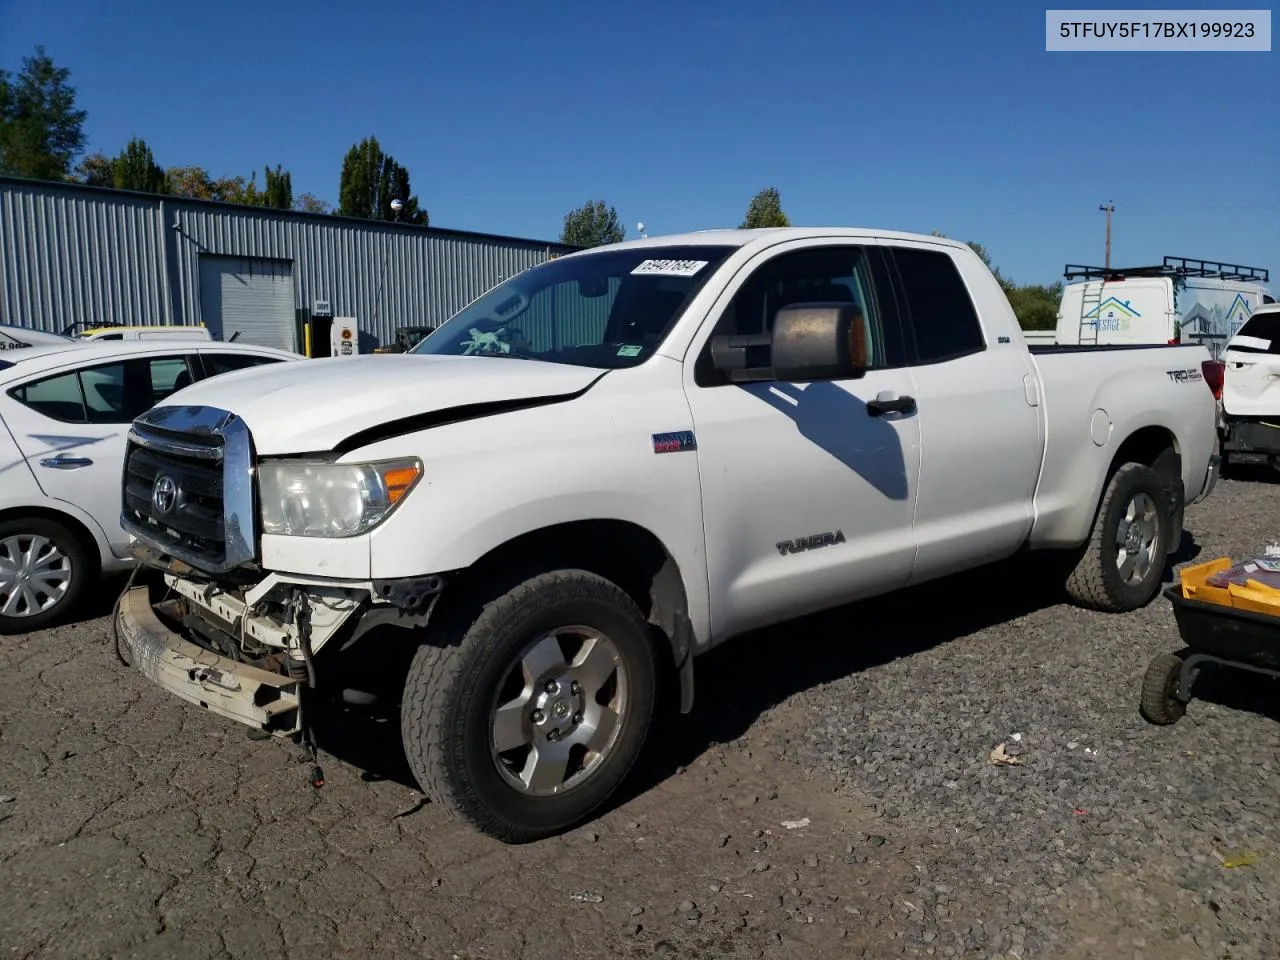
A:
x,y
1235,626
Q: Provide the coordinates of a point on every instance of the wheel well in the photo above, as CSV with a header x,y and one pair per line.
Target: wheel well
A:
x,y
621,552
1155,447
77,528
1146,446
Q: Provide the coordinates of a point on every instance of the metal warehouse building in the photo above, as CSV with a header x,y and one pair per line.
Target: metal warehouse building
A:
x,y
71,254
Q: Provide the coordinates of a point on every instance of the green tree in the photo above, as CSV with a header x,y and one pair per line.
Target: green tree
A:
x,y
278,192
136,169
96,170
41,131
1036,305
370,180
310,203
765,210
593,224
192,182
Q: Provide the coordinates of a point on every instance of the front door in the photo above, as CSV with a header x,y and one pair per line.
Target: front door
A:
x,y
71,428
808,493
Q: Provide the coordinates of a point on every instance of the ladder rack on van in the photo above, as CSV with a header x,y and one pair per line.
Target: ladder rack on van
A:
x,y
1091,298
1171,267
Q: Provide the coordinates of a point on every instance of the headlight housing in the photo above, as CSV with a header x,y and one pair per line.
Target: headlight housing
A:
x,y
308,498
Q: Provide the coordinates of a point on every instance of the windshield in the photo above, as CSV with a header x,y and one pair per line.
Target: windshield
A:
x,y
609,309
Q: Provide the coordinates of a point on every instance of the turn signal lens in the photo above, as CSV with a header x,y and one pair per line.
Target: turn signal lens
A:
x,y
398,481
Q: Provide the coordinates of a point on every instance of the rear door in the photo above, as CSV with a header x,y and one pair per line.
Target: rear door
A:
x,y
981,430
1251,387
70,425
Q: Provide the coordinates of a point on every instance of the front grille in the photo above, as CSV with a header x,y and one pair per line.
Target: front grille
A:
x,y
187,486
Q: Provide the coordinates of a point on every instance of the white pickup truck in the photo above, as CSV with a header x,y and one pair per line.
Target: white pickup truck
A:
x,y
615,461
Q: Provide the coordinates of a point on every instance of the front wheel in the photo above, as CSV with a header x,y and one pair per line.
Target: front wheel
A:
x,y
531,715
1122,565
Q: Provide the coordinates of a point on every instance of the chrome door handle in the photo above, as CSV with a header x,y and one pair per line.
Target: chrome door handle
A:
x,y
63,462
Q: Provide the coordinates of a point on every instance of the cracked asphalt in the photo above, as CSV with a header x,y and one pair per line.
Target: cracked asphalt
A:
x,y
133,825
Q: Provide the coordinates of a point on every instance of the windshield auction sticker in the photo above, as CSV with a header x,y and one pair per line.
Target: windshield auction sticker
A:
x,y
669,268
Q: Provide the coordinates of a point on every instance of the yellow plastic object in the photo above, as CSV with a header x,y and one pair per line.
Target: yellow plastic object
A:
x,y
1252,595
1265,601
1195,588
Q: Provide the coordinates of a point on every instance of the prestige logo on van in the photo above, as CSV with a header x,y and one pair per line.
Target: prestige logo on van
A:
x,y
1112,315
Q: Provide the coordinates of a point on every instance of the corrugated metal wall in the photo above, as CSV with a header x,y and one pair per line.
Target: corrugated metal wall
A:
x,y
78,254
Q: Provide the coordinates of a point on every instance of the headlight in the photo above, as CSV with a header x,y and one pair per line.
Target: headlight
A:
x,y
303,498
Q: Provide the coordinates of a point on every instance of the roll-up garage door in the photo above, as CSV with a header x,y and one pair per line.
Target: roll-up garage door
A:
x,y
249,295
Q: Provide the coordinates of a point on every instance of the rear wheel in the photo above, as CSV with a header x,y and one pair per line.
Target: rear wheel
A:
x,y
533,713
44,570
1123,563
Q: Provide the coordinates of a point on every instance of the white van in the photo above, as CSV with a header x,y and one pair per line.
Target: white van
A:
x,y
146,333
1179,301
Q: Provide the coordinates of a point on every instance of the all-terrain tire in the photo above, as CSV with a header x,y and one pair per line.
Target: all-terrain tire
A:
x,y
1159,704
1095,582
74,559
452,685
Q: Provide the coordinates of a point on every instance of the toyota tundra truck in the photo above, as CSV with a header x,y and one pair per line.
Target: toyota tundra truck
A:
x,y
613,462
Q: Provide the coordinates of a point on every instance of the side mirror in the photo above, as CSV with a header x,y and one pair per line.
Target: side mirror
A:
x,y
819,341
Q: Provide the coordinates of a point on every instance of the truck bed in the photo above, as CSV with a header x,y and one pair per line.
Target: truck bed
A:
x,y
1093,397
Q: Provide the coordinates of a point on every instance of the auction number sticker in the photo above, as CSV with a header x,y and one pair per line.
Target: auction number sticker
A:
x,y
669,268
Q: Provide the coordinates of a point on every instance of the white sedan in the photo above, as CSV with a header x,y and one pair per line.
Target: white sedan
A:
x,y
64,414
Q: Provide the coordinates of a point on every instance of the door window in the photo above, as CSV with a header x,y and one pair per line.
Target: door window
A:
x,y
942,317
841,274
57,398
106,393
168,376
216,363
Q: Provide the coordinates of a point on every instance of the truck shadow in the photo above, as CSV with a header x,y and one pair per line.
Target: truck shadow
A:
x,y
744,678
839,423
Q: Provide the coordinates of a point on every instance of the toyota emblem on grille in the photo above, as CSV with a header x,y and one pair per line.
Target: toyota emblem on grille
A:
x,y
164,494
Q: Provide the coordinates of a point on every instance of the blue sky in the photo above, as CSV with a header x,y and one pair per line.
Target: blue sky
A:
x,y
905,115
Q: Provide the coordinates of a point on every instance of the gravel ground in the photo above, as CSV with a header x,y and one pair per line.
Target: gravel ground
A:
x,y
831,796
1104,809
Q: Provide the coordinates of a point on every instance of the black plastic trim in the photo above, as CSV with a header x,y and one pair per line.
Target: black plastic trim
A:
x,y
408,593
1050,348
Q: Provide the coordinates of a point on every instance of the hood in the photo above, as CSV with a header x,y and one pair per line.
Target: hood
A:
x,y
315,405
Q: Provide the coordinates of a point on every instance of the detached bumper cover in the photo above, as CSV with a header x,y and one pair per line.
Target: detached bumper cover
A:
x,y
238,691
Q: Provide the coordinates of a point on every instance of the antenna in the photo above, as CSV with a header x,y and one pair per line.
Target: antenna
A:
x,y
640,227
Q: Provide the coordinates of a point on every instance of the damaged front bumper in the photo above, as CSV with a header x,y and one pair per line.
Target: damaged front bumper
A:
x,y
238,691
254,647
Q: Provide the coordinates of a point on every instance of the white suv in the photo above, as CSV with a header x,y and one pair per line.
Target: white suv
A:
x,y
64,413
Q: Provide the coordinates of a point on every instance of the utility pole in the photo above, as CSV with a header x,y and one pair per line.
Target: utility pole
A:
x,y
1108,208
